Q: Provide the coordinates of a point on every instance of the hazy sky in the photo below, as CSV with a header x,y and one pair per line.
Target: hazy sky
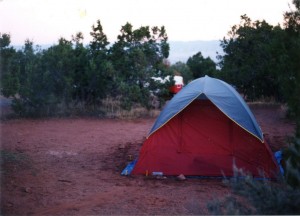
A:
x,y
44,21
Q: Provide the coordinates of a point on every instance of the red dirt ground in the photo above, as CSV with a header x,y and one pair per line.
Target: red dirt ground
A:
x,y
73,166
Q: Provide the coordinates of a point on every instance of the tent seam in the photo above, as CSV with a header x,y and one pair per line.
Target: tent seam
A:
x,y
252,117
262,141
174,115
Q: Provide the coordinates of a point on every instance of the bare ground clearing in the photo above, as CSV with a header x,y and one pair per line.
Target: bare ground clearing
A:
x,y
72,166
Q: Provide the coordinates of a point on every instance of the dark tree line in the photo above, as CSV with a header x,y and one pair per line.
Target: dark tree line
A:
x,y
69,74
256,59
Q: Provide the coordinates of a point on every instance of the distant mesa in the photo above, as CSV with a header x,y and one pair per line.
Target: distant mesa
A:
x,y
180,50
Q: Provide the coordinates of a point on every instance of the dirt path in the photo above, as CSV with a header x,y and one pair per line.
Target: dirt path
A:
x,y
72,166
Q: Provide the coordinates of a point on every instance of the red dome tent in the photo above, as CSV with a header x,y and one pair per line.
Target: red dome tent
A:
x,y
202,131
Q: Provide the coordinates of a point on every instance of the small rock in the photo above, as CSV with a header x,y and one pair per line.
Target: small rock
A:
x,y
27,189
9,204
130,157
122,146
161,177
181,177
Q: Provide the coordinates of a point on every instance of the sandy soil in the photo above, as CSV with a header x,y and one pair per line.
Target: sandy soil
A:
x,y
73,166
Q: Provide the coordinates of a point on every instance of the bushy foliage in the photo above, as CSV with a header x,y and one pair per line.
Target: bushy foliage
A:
x,y
183,69
255,60
292,163
201,66
8,76
137,57
292,82
262,60
70,76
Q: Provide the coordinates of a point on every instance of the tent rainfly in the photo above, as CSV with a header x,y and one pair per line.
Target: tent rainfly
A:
x,y
205,129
